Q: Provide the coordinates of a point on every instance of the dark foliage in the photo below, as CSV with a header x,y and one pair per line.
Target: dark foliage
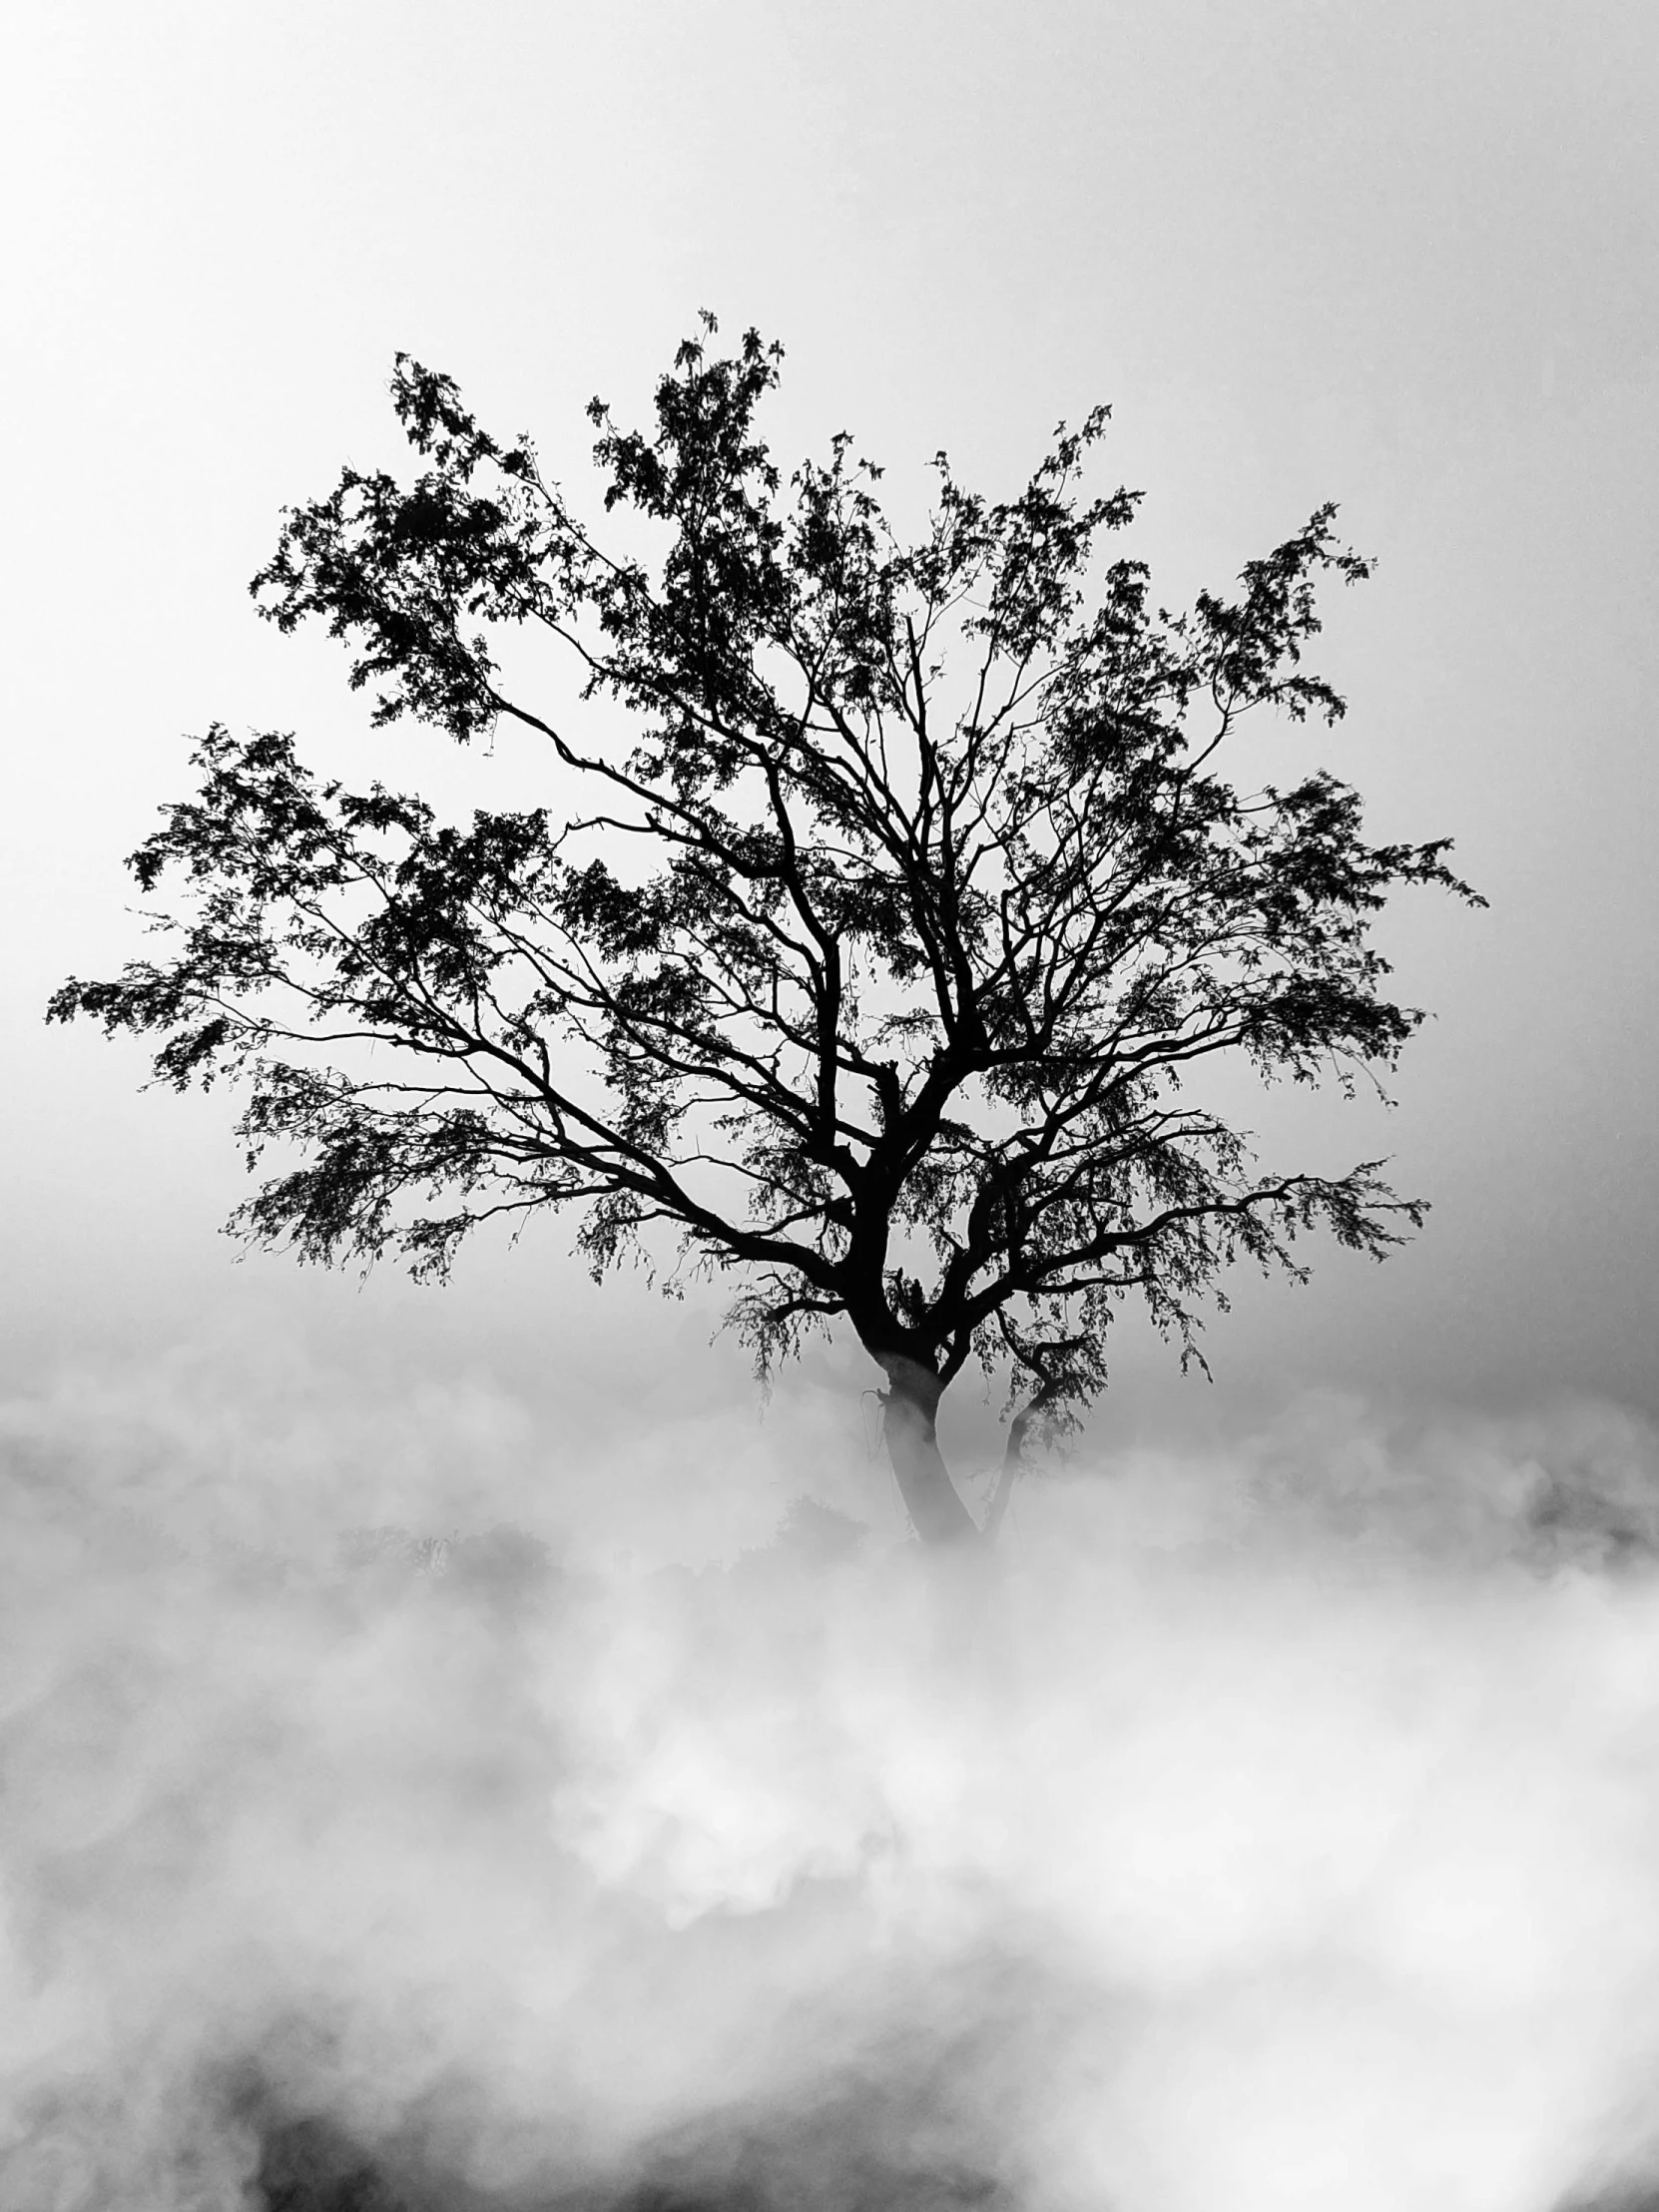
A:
x,y
879,959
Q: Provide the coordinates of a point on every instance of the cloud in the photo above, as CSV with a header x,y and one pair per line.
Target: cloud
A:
x,y
1256,1831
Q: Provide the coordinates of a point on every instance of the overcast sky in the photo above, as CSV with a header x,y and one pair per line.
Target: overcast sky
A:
x,y
1397,256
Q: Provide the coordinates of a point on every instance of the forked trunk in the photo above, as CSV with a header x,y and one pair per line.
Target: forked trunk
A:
x,y
910,1409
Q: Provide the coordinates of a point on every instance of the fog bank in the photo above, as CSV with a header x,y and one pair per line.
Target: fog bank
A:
x,y
1257,1828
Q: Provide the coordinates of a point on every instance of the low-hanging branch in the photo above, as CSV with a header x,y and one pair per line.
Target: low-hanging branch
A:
x,y
877,964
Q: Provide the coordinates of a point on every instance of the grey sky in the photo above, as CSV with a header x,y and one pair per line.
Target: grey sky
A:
x,y
1400,257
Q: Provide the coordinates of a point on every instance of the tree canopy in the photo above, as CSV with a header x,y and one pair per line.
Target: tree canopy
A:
x,y
889,903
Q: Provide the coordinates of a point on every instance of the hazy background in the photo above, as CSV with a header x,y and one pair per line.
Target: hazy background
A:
x,y
1281,1829
1402,257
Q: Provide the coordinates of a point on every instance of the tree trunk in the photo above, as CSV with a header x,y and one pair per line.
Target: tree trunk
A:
x,y
1013,1458
910,1413
1011,1466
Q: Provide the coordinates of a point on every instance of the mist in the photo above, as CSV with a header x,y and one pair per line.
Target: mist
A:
x,y
443,1764
1257,1826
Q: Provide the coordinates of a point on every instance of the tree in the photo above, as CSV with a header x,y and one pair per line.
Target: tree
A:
x,y
875,960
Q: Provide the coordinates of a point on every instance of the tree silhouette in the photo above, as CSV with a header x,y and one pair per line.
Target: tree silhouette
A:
x,y
890,901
